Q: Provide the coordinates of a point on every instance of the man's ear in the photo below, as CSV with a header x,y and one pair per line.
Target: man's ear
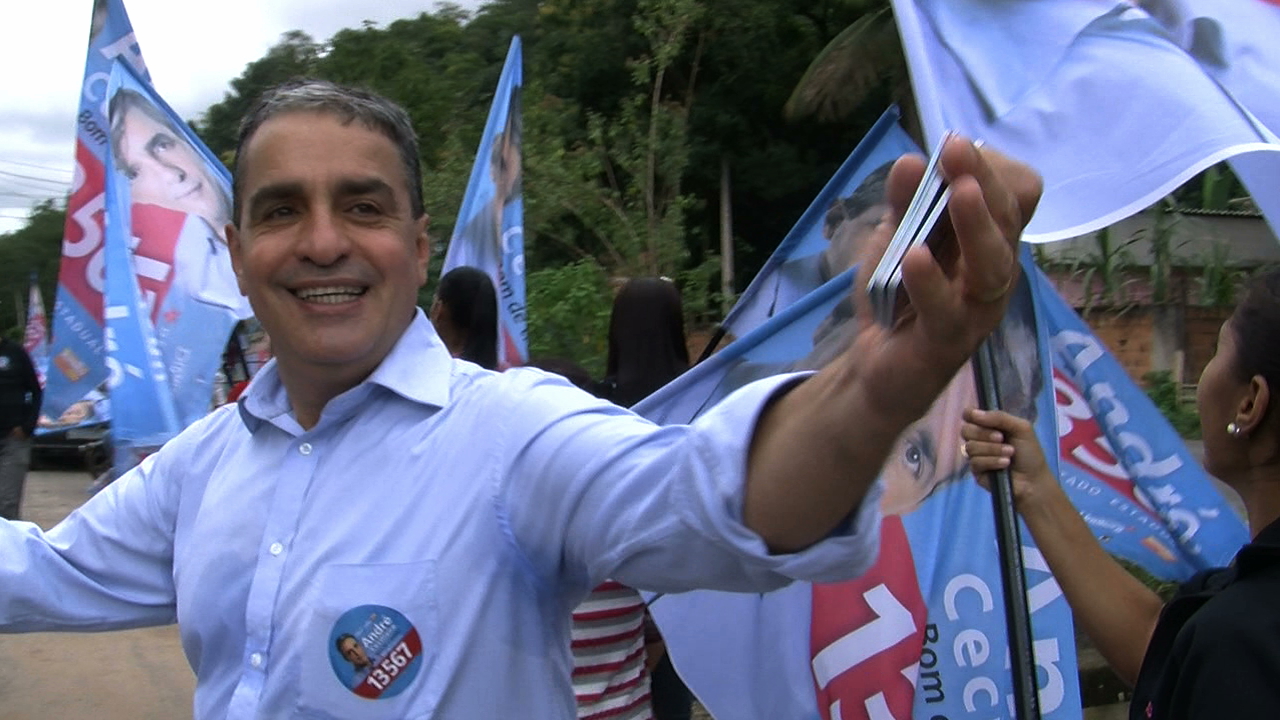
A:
x,y
422,248
236,249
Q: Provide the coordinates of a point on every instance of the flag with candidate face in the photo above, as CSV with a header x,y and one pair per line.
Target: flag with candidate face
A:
x,y
799,264
1099,96
183,270
1235,43
35,338
144,415
77,363
924,632
489,234
178,254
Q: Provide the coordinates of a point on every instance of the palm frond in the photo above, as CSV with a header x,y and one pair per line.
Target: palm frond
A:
x,y
860,58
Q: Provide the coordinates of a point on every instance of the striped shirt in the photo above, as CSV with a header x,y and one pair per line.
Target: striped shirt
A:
x,y
609,675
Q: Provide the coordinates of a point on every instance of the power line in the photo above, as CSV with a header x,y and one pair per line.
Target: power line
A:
x,y
28,193
38,167
54,181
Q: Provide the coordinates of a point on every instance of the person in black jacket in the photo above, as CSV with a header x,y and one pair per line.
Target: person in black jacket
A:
x,y
1213,651
20,397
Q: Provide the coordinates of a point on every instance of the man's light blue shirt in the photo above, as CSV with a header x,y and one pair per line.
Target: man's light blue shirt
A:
x,y
448,517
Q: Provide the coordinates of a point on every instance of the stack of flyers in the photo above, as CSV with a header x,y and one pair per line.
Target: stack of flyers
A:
x,y
922,215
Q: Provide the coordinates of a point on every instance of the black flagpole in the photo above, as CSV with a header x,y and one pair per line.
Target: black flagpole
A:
x,y
721,331
1012,574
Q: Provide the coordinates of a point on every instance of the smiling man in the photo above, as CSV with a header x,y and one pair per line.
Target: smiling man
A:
x,y
367,484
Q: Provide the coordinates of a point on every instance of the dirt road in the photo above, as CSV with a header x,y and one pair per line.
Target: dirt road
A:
x,y
133,675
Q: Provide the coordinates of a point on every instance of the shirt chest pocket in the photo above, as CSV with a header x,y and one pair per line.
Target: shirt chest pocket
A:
x,y
369,643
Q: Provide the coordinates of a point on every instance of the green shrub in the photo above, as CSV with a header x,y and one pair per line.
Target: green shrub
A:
x,y
1166,393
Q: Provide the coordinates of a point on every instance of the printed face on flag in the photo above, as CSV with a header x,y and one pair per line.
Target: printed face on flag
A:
x,y
505,160
162,166
927,455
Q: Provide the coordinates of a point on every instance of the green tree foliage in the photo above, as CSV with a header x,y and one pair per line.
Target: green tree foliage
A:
x,y
567,319
295,55
37,248
1166,393
630,109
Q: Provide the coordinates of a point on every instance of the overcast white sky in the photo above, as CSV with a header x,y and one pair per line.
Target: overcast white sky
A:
x,y
193,50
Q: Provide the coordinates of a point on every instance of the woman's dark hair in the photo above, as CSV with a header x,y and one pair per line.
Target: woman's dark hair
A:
x,y
1255,327
646,340
467,294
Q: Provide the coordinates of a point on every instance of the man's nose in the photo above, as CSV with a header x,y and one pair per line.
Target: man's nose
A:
x,y
179,174
324,239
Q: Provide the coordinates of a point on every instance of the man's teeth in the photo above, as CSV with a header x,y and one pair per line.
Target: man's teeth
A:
x,y
329,295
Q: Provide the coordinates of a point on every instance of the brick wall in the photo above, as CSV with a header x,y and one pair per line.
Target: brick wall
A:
x,y
1202,325
1128,335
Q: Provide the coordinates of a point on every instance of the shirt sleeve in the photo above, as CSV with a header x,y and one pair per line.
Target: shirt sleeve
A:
x,y
108,565
594,491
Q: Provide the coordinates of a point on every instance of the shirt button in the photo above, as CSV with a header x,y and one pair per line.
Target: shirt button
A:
x,y
256,660
305,448
276,548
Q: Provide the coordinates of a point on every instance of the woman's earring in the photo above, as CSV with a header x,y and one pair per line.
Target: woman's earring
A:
x,y
1233,429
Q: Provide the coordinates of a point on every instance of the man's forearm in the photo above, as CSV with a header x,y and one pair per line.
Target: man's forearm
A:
x,y
815,452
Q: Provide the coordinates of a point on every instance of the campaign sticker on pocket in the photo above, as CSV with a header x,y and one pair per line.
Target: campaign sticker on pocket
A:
x,y
375,651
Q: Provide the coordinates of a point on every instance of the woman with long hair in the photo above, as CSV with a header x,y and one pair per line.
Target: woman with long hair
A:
x,y
646,340
646,351
465,315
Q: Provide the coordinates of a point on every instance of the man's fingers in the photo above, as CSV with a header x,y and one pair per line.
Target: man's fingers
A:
x,y
904,178
992,197
1024,185
929,288
1010,189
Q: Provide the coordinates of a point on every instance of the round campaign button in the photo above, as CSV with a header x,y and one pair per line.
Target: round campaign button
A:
x,y
375,651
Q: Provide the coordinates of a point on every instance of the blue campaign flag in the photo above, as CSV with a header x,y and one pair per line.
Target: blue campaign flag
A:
x,y
35,338
1130,475
796,266
179,257
1114,102
77,363
144,416
489,234
923,631
922,634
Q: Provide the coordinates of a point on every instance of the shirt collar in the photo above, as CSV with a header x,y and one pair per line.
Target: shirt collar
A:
x,y
418,368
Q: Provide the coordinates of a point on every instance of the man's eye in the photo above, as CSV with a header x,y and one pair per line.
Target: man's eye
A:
x,y
365,208
279,211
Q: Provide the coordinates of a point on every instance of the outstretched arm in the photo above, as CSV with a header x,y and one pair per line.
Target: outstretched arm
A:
x,y
818,448
1116,611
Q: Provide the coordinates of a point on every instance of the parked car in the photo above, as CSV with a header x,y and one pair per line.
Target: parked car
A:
x,y
85,446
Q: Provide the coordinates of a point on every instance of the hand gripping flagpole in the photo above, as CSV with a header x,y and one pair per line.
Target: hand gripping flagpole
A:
x,y
1012,573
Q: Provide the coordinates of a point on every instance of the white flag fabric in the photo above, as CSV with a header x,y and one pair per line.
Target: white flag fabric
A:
x,y
1097,95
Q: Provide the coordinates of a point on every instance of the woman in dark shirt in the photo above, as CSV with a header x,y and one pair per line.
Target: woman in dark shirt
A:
x,y
1214,650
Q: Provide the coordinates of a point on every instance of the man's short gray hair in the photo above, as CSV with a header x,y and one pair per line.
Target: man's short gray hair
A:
x,y
348,105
